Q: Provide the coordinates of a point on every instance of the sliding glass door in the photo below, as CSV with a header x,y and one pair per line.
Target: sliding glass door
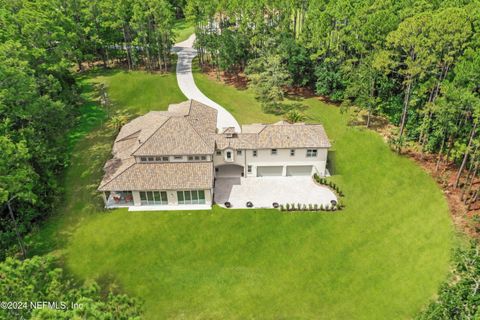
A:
x,y
153,198
191,197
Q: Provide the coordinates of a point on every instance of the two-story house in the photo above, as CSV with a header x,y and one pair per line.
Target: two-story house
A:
x,y
171,158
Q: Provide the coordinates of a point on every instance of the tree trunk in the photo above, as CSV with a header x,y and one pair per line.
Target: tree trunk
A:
x,y
465,156
15,226
406,101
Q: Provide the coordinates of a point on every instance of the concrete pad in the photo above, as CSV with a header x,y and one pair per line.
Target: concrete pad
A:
x,y
171,207
264,191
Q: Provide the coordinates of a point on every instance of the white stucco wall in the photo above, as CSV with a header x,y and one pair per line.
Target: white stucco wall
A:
x,y
283,158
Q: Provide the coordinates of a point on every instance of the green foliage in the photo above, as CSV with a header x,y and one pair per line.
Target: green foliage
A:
x,y
38,279
459,297
294,116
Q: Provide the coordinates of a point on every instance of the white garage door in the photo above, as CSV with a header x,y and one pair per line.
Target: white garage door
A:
x,y
299,170
269,171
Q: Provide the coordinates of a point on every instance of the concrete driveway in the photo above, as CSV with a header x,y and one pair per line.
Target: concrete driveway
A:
x,y
264,191
186,53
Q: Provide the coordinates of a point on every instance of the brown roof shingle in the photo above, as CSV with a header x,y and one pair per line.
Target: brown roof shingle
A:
x,y
162,176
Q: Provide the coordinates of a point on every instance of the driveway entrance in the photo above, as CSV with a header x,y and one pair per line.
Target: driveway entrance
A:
x,y
262,192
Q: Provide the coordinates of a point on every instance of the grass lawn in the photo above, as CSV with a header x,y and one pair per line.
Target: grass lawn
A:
x,y
183,29
383,257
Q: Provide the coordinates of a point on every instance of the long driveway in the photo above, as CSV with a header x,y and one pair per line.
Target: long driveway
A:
x,y
186,53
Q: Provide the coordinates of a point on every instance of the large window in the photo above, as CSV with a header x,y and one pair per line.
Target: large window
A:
x,y
311,153
191,197
153,197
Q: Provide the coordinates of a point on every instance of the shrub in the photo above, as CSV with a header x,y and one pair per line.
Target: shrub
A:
x,y
315,207
321,207
299,206
310,207
327,208
282,208
288,207
304,207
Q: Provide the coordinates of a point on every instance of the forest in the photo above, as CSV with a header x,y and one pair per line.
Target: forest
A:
x,y
413,62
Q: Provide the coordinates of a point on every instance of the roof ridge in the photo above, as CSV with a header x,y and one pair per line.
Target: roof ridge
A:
x,y
198,134
169,117
115,177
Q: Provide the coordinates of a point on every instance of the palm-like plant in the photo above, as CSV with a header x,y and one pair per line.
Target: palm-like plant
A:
x,y
294,116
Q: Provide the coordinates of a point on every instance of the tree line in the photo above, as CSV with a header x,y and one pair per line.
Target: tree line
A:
x,y
415,62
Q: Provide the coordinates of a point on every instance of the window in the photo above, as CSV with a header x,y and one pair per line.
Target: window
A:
x,y
219,153
153,198
249,169
197,158
158,158
164,158
229,155
190,158
311,153
239,152
151,159
178,157
254,153
292,152
274,152
143,159
203,157
191,197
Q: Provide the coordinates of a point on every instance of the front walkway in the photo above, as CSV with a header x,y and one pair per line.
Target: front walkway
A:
x,y
264,191
186,53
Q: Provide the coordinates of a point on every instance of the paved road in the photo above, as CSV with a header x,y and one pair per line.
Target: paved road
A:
x,y
186,53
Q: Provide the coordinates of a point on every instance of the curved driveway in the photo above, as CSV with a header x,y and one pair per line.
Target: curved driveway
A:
x,y
186,53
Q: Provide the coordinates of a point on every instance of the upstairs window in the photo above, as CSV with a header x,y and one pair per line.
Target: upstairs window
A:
x,y
311,153
249,169
219,153
178,157
229,155
254,153
190,158
292,152
143,159
203,157
239,152
274,152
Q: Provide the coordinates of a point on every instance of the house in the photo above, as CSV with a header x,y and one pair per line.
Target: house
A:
x,y
172,158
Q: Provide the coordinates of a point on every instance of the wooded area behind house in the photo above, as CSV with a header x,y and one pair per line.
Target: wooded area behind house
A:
x,y
415,62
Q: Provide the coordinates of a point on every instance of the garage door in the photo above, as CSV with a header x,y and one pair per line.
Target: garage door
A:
x,y
269,171
299,170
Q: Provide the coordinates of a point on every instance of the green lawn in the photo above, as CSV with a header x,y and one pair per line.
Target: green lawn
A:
x,y
183,29
383,257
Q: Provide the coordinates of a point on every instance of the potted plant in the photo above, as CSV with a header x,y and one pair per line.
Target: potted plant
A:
x,y
249,204
275,205
228,204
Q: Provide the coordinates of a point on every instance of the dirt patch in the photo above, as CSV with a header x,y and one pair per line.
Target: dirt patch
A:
x,y
236,79
445,176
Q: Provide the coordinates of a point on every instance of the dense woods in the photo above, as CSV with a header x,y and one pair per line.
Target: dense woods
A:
x,y
41,45
415,62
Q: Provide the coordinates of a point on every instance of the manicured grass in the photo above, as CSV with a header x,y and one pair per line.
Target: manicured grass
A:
x,y
183,29
383,257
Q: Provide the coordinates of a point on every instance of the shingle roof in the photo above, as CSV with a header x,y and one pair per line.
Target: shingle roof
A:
x,y
162,176
278,135
293,136
176,136
187,128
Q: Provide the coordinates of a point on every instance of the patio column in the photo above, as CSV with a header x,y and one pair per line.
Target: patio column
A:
x,y
136,198
104,197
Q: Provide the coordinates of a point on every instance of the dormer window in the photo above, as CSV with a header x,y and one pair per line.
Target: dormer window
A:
x,y
229,155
